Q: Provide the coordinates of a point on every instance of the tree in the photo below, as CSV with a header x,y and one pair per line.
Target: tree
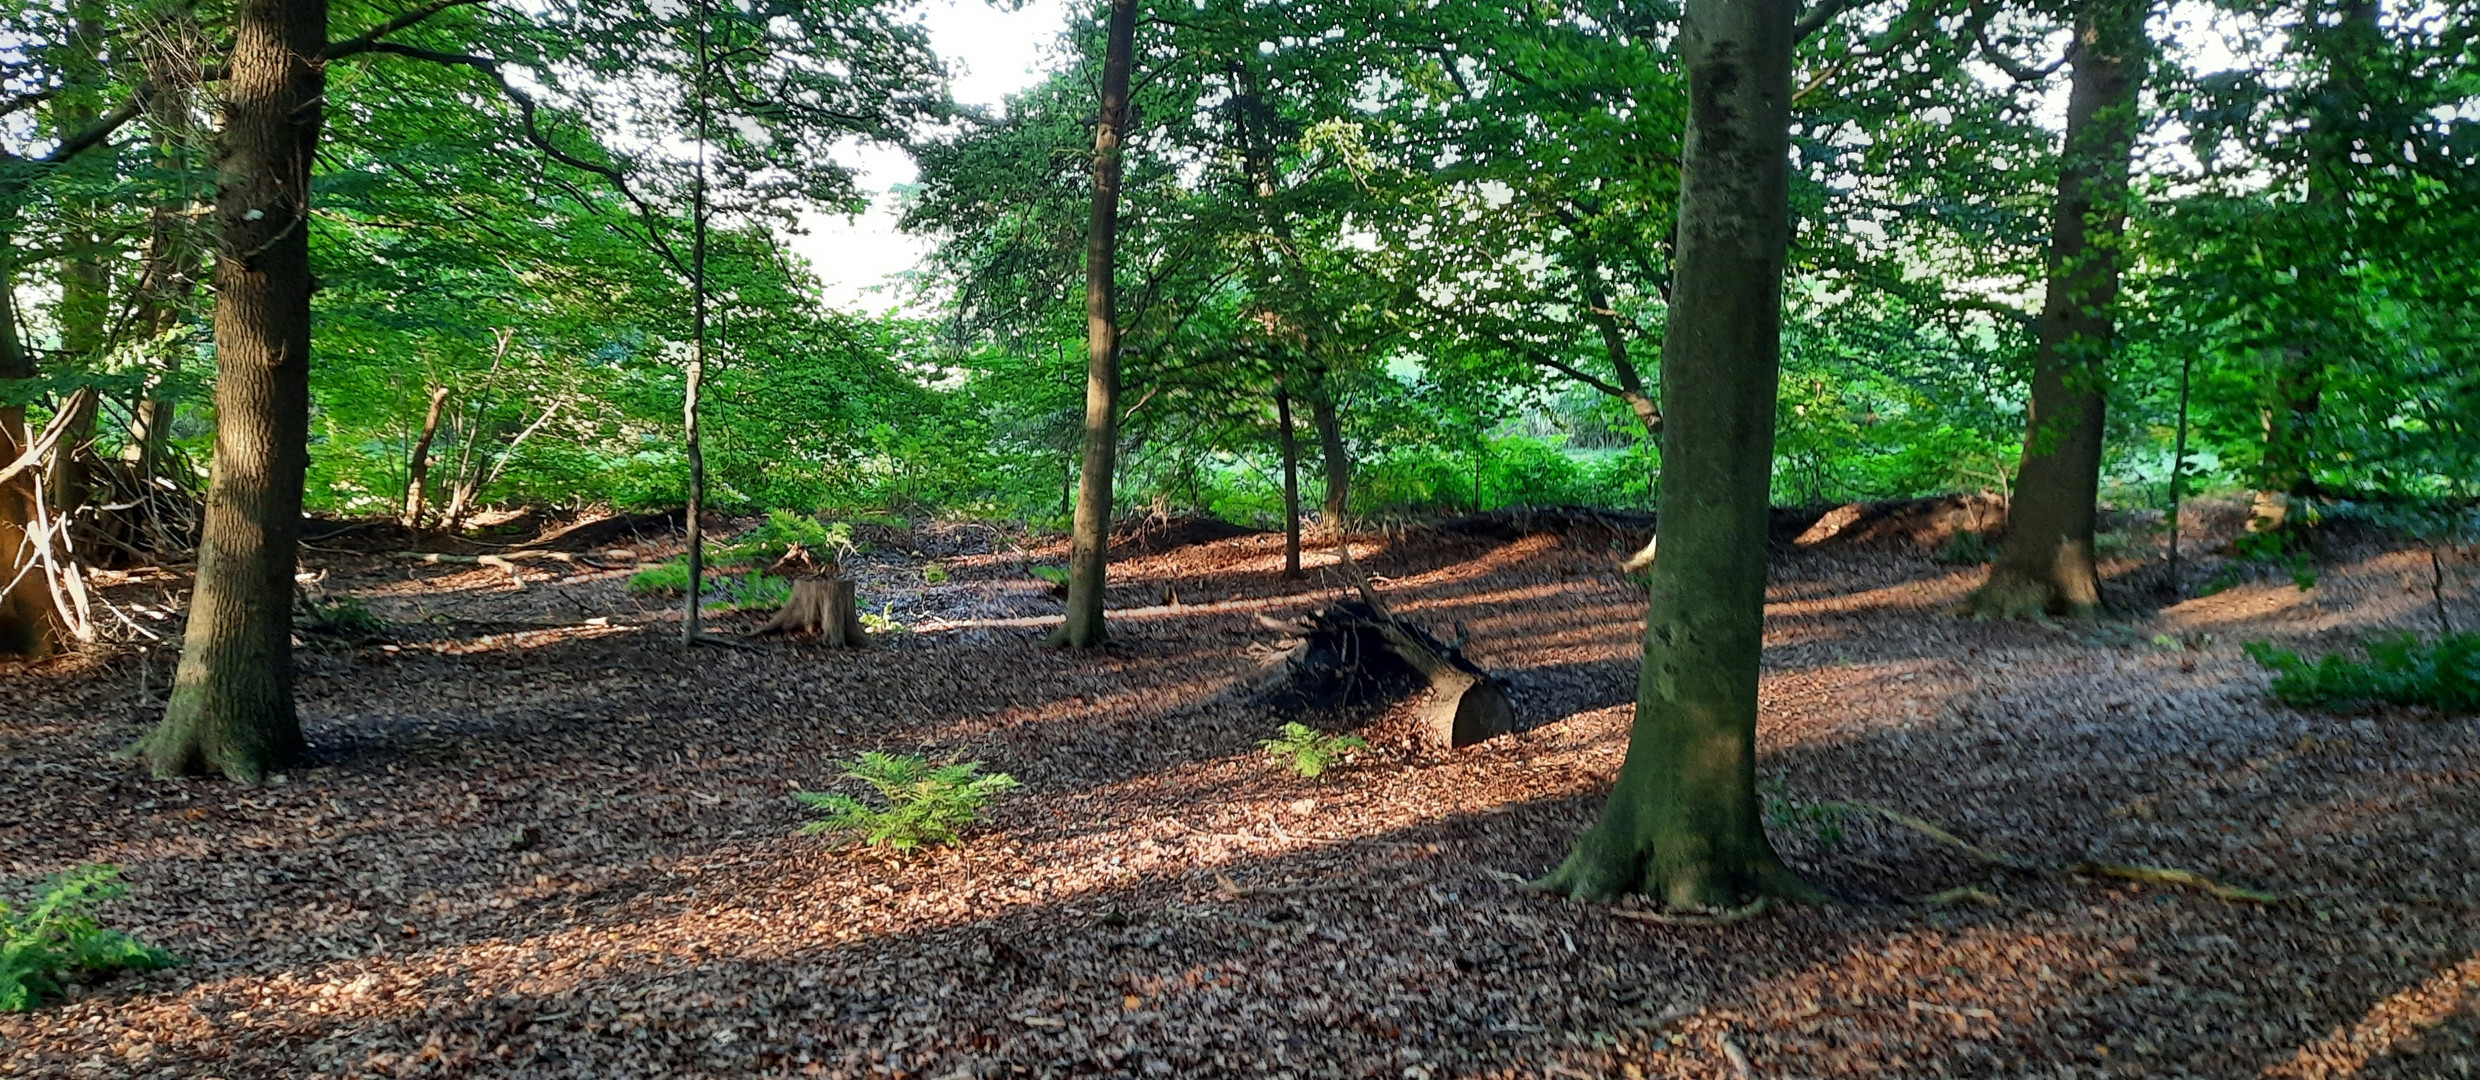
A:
x,y
1090,538
231,709
2047,564
1682,823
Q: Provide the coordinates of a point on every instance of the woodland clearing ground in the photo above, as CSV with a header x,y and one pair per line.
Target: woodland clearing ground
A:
x,y
382,913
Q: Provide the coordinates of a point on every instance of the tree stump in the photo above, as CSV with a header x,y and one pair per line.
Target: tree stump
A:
x,y
822,608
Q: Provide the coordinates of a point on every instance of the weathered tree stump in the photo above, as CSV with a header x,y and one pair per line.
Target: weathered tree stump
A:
x,y
822,608
1358,655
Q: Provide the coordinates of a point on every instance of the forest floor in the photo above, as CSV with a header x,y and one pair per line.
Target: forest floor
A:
x,y
542,840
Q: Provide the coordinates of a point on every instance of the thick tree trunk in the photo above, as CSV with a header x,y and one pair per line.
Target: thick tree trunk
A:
x,y
1682,822
1291,479
26,626
2047,564
1323,415
1090,535
231,709
418,464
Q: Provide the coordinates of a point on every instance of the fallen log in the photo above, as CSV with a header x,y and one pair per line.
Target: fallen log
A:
x,y
1357,654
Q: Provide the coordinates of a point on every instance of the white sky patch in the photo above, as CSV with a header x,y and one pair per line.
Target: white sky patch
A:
x,y
990,52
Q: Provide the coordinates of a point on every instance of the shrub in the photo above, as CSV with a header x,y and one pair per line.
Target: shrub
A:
x,y
933,574
926,804
55,939
1308,752
1823,822
2400,670
343,616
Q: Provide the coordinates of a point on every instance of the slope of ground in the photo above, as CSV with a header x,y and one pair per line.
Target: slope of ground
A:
x,y
543,841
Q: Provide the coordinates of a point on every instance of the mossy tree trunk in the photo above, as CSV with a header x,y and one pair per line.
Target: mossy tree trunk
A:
x,y
1326,417
2047,565
1682,823
1090,533
231,709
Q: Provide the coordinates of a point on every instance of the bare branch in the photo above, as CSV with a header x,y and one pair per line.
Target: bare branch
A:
x,y
1818,18
361,43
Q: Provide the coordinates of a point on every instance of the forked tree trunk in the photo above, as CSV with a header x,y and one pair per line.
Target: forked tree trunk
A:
x,y
26,628
1682,822
231,709
2047,564
1291,480
418,466
1323,415
1090,534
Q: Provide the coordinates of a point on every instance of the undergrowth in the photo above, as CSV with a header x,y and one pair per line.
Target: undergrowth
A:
x,y
1823,822
925,803
2400,670
55,941
1308,752
743,562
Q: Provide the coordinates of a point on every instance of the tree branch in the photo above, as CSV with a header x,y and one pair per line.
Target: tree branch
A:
x,y
1818,18
2018,72
365,41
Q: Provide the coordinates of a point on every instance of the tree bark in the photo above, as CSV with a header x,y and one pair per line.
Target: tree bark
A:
x,y
2047,564
2287,469
231,709
1291,479
1323,415
1682,822
418,464
85,285
1090,534
168,270
27,631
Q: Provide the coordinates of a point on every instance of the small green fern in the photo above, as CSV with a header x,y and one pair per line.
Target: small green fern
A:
x,y
926,804
1309,752
55,941
2400,670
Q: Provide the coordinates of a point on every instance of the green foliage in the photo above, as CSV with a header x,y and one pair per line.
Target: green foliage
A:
x,y
1057,576
1308,752
751,552
2400,670
340,616
883,621
2255,555
1823,822
933,574
55,939
924,803
662,579
1966,547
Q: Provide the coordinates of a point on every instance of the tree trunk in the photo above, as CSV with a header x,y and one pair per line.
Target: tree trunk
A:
x,y
1682,822
2287,469
1090,535
418,466
85,285
168,271
1291,480
231,709
26,628
1338,458
2047,563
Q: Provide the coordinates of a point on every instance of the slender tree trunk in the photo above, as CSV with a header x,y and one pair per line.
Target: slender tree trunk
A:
x,y
1291,479
1325,417
1682,822
85,283
695,385
2287,469
418,466
26,627
2047,564
1090,536
231,709
168,271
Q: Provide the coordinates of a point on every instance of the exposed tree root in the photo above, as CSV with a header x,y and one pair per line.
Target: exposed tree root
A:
x,y
1724,917
2154,875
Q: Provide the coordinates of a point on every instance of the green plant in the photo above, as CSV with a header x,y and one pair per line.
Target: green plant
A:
x,y
1823,822
934,574
926,804
54,939
661,579
342,616
2260,553
1965,548
2400,670
883,621
753,551
1308,752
